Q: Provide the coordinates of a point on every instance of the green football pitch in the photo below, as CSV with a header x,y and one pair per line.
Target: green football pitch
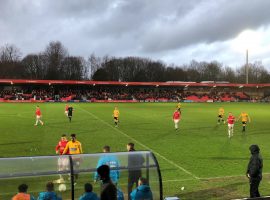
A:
x,y
199,157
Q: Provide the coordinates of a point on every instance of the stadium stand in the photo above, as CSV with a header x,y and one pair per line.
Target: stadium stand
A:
x,y
106,91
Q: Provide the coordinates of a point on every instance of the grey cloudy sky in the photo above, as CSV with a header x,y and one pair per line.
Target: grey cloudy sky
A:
x,y
174,31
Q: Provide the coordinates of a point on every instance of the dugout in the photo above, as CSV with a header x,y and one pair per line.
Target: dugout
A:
x,y
37,171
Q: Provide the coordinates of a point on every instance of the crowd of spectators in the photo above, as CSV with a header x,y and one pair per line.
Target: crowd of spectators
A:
x,y
115,93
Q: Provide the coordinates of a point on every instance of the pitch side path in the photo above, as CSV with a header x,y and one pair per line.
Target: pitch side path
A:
x,y
199,156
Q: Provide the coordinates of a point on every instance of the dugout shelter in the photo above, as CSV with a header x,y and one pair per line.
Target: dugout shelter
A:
x,y
37,171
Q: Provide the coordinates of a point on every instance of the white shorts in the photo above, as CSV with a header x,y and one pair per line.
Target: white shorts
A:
x,y
66,112
230,126
63,163
176,121
38,116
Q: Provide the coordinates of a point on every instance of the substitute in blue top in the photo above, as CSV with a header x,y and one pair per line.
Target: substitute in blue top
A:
x,y
88,195
110,160
120,194
143,191
49,194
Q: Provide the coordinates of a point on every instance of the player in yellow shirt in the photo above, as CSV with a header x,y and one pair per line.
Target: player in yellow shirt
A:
x,y
244,118
220,115
116,114
74,147
178,107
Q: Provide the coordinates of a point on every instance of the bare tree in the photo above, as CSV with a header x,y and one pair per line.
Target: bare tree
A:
x,y
73,68
34,65
54,54
10,53
10,66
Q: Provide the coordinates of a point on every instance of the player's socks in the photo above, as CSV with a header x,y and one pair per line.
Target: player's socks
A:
x,y
244,129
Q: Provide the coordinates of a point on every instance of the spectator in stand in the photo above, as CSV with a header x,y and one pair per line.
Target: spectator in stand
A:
x,y
143,191
22,194
89,194
108,191
49,194
254,170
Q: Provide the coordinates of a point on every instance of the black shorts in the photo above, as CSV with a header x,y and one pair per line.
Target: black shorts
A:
x,y
244,122
115,118
220,116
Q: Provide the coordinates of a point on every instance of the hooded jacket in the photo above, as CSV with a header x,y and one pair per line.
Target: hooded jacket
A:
x,y
255,164
49,196
143,192
89,196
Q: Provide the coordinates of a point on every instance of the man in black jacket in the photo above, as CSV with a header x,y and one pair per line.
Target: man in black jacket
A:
x,y
135,162
254,170
108,191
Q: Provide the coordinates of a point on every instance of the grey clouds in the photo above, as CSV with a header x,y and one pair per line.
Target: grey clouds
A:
x,y
174,30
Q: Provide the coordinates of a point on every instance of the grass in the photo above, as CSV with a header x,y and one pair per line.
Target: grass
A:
x,y
199,157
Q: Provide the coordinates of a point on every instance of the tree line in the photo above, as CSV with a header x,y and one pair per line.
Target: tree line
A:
x,y
56,63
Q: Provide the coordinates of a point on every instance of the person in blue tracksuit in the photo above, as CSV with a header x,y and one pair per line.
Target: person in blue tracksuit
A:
x,y
110,160
120,194
88,195
49,194
143,191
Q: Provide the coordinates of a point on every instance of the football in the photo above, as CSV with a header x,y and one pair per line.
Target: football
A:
x,y
62,187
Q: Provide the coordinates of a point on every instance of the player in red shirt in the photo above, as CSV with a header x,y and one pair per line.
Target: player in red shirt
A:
x,y
66,110
230,120
38,116
63,162
176,118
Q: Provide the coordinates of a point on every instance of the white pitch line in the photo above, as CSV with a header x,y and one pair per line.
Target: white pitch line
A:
x,y
224,177
141,144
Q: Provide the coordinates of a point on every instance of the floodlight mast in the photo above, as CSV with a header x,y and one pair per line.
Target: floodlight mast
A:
x,y
246,66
